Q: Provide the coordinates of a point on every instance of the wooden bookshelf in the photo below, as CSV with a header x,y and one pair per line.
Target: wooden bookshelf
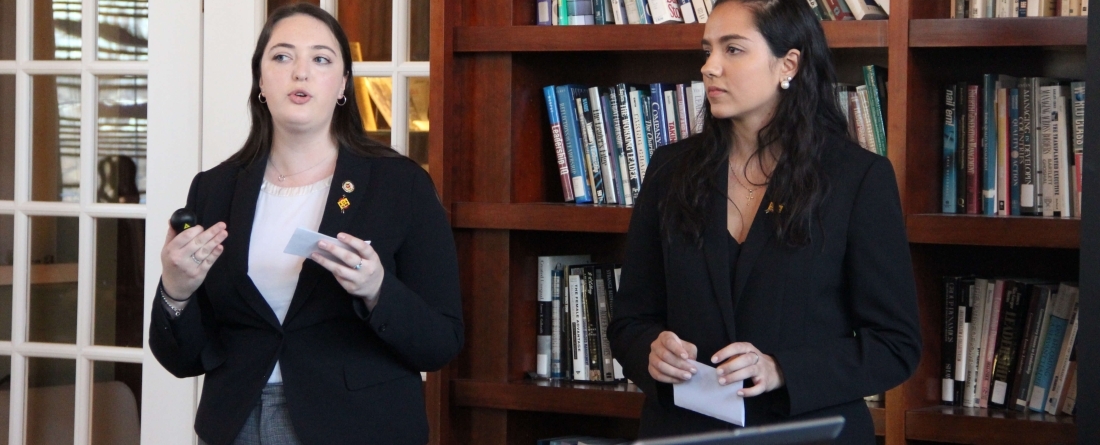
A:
x,y
1028,231
860,34
1032,31
492,160
979,426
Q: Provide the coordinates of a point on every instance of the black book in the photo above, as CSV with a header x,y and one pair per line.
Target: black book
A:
x,y
1013,316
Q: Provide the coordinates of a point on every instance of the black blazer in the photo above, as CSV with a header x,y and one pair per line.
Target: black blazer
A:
x,y
839,314
349,376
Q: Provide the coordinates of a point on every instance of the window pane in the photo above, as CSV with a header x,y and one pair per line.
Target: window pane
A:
x,y
375,96
418,120
272,5
7,137
7,247
369,26
120,143
419,24
53,273
55,134
56,30
116,403
120,281
51,400
7,33
123,30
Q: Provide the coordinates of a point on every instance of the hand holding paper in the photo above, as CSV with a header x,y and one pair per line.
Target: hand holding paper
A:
x,y
304,243
704,395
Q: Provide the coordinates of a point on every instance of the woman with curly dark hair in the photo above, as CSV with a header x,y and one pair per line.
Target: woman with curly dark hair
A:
x,y
771,246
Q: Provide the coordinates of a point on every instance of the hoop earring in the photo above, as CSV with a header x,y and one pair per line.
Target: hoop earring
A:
x,y
260,97
786,83
342,98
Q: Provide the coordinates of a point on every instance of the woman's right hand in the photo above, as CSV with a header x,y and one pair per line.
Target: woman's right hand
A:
x,y
668,358
188,256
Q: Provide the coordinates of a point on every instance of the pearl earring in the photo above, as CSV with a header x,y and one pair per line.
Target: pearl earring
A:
x,y
786,83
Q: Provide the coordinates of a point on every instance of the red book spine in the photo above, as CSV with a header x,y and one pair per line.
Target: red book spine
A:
x,y
973,123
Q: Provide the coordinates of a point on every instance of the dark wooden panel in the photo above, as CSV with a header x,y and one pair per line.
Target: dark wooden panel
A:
x,y
527,427
484,273
878,417
988,426
1030,31
541,216
1021,231
620,400
849,34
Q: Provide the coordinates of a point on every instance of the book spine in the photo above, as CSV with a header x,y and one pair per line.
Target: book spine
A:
x,y
973,148
1014,151
607,369
837,12
642,141
575,155
579,330
1078,107
543,7
650,124
875,105
817,9
699,95
618,157
949,144
1025,344
1062,192
626,128
845,11
670,115
559,142
682,111
591,153
702,12
996,295
665,11
857,119
567,351
544,318
1048,357
1058,383
632,16
556,324
1048,96
591,330
964,289
973,356
950,327
604,149
1038,338
1071,386
687,11
868,125
1012,323
961,142
657,114
989,145
1002,151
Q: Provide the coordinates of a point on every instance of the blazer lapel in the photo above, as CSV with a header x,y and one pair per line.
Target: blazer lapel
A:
x,y
715,248
241,214
351,170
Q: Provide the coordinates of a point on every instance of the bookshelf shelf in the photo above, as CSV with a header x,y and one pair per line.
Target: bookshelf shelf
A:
x,y
1016,231
988,426
1032,31
561,217
622,400
850,34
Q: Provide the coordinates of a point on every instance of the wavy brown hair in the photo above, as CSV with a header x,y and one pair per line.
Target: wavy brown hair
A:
x,y
806,118
347,125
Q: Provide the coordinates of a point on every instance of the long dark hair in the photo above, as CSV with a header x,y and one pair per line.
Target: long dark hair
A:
x,y
347,125
806,117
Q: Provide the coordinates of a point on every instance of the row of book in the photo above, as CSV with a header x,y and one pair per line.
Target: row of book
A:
x,y
1018,8
1010,343
605,136
865,108
1013,146
655,12
575,300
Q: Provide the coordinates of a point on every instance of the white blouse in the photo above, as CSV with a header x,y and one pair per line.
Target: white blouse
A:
x,y
279,211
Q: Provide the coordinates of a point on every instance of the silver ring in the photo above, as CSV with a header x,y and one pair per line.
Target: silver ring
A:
x,y
360,265
757,358
196,260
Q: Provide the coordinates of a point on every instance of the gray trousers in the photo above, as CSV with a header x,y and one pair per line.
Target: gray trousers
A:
x,y
269,422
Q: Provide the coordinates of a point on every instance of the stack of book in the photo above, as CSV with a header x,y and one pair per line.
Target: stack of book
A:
x,y
962,9
575,300
605,136
1013,146
1010,343
865,108
650,12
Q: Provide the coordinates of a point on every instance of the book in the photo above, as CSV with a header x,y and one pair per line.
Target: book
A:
x,y
839,10
578,325
1058,383
603,319
1060,132
610,101
543,7
1036,341
571,133
549,300
1013,317
604,147
866,10
702,10
626,130
874,77
1078,139
947,349
964,317
687,11
973,149
1037,301
961,141
665,11
972,388
591,152
949,146
994,296
1056,329
559,142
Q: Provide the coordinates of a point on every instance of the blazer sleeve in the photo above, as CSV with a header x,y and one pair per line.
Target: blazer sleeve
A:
x,y
419,310
178,343
885,346
640,306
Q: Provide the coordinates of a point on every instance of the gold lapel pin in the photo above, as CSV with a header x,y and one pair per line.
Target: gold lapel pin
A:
x,y
343,203
771,208
348,187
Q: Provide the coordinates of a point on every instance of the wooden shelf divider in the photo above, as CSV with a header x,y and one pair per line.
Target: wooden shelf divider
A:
x,y
620,400
851,34
1029,31
980,426
978,230
560,217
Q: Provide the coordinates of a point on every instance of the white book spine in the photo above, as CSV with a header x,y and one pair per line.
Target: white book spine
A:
x,y
1062,193
687,11
665,11
1047,97
699,95
1062,369
973,357
702,10
579,328
977,9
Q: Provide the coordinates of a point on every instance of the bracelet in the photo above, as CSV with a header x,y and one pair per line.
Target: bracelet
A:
x,y
174,309
165,295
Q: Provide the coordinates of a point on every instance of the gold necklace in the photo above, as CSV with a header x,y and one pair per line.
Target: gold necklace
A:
x,y
735,178
283,177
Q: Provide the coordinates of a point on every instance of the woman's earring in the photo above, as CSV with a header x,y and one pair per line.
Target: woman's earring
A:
x,y
261,97
786,83
342,100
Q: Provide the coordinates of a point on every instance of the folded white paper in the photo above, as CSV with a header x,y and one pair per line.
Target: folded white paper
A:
x,y
704,395
304,243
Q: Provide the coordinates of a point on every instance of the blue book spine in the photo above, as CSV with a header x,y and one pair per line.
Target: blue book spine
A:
x,y
614,147
950,145
560,153
544,15
1014,150
642,134
591,145
1044,370
989,144
657,114
571,132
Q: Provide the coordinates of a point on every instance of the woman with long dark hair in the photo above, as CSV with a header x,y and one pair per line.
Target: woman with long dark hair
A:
x,y
771,246
321,351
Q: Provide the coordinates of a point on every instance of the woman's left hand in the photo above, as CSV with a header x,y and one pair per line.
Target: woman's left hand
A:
x,y
359,270
742,361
